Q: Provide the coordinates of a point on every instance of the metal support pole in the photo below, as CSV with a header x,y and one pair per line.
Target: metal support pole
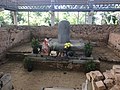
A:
x,y
78,18
52,13
14,17
58,16
52,18
28,18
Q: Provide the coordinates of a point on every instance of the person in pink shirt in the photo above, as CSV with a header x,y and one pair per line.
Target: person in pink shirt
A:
x,y
45,46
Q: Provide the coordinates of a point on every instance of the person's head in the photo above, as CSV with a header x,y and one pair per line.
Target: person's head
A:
x,y
45,40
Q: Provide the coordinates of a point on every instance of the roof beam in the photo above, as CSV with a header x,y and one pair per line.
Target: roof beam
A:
x,y
61,5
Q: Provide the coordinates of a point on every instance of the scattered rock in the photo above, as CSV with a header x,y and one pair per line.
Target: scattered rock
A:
x,y
96,75
111,79
108,75
115,87
100,85
115,71
109,83
1,74
116,66
117,79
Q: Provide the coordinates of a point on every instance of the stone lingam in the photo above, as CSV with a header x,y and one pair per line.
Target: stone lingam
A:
x,y
64,37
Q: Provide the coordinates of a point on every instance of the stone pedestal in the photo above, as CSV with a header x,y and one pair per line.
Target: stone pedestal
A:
x,y
63,32
6,82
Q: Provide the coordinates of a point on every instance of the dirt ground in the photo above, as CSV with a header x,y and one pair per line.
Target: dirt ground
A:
x,y
35,80
105,54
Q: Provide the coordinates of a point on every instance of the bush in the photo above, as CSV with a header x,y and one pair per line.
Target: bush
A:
x,y
90,66
35,45
28,64
88,49
25,61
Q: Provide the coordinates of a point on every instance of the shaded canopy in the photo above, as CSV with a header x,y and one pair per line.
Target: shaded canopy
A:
x,y
61,5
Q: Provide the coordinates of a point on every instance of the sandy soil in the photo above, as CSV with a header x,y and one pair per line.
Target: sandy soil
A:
x,y
105,54
107,65
35,80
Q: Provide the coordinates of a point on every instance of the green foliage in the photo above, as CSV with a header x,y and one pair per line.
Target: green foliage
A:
x,y
56,20
5,18
93,20
90,66
35,43
88,49
38,13
20,17
47,20
66,15
1,18
108,18
27,62
11,16
43,18
114,19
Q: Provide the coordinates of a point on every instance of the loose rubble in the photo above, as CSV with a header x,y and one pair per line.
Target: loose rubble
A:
x,y
109,80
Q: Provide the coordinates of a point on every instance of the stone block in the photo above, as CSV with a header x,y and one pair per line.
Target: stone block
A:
x,y
109,83
112,72
100,85
114,39
96,75
115,87
117,79
108,75
115,71
1,74
6,82
116,67
93,85
88,76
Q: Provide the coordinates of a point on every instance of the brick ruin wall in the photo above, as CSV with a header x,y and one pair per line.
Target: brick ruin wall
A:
x,y
89,32
114,42
10,37
14,35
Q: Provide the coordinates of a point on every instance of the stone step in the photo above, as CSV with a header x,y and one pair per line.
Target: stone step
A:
x,y
55,63
59,88
15,56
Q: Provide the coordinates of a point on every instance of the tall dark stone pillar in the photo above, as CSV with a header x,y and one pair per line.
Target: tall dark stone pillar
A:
x,y
63,32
